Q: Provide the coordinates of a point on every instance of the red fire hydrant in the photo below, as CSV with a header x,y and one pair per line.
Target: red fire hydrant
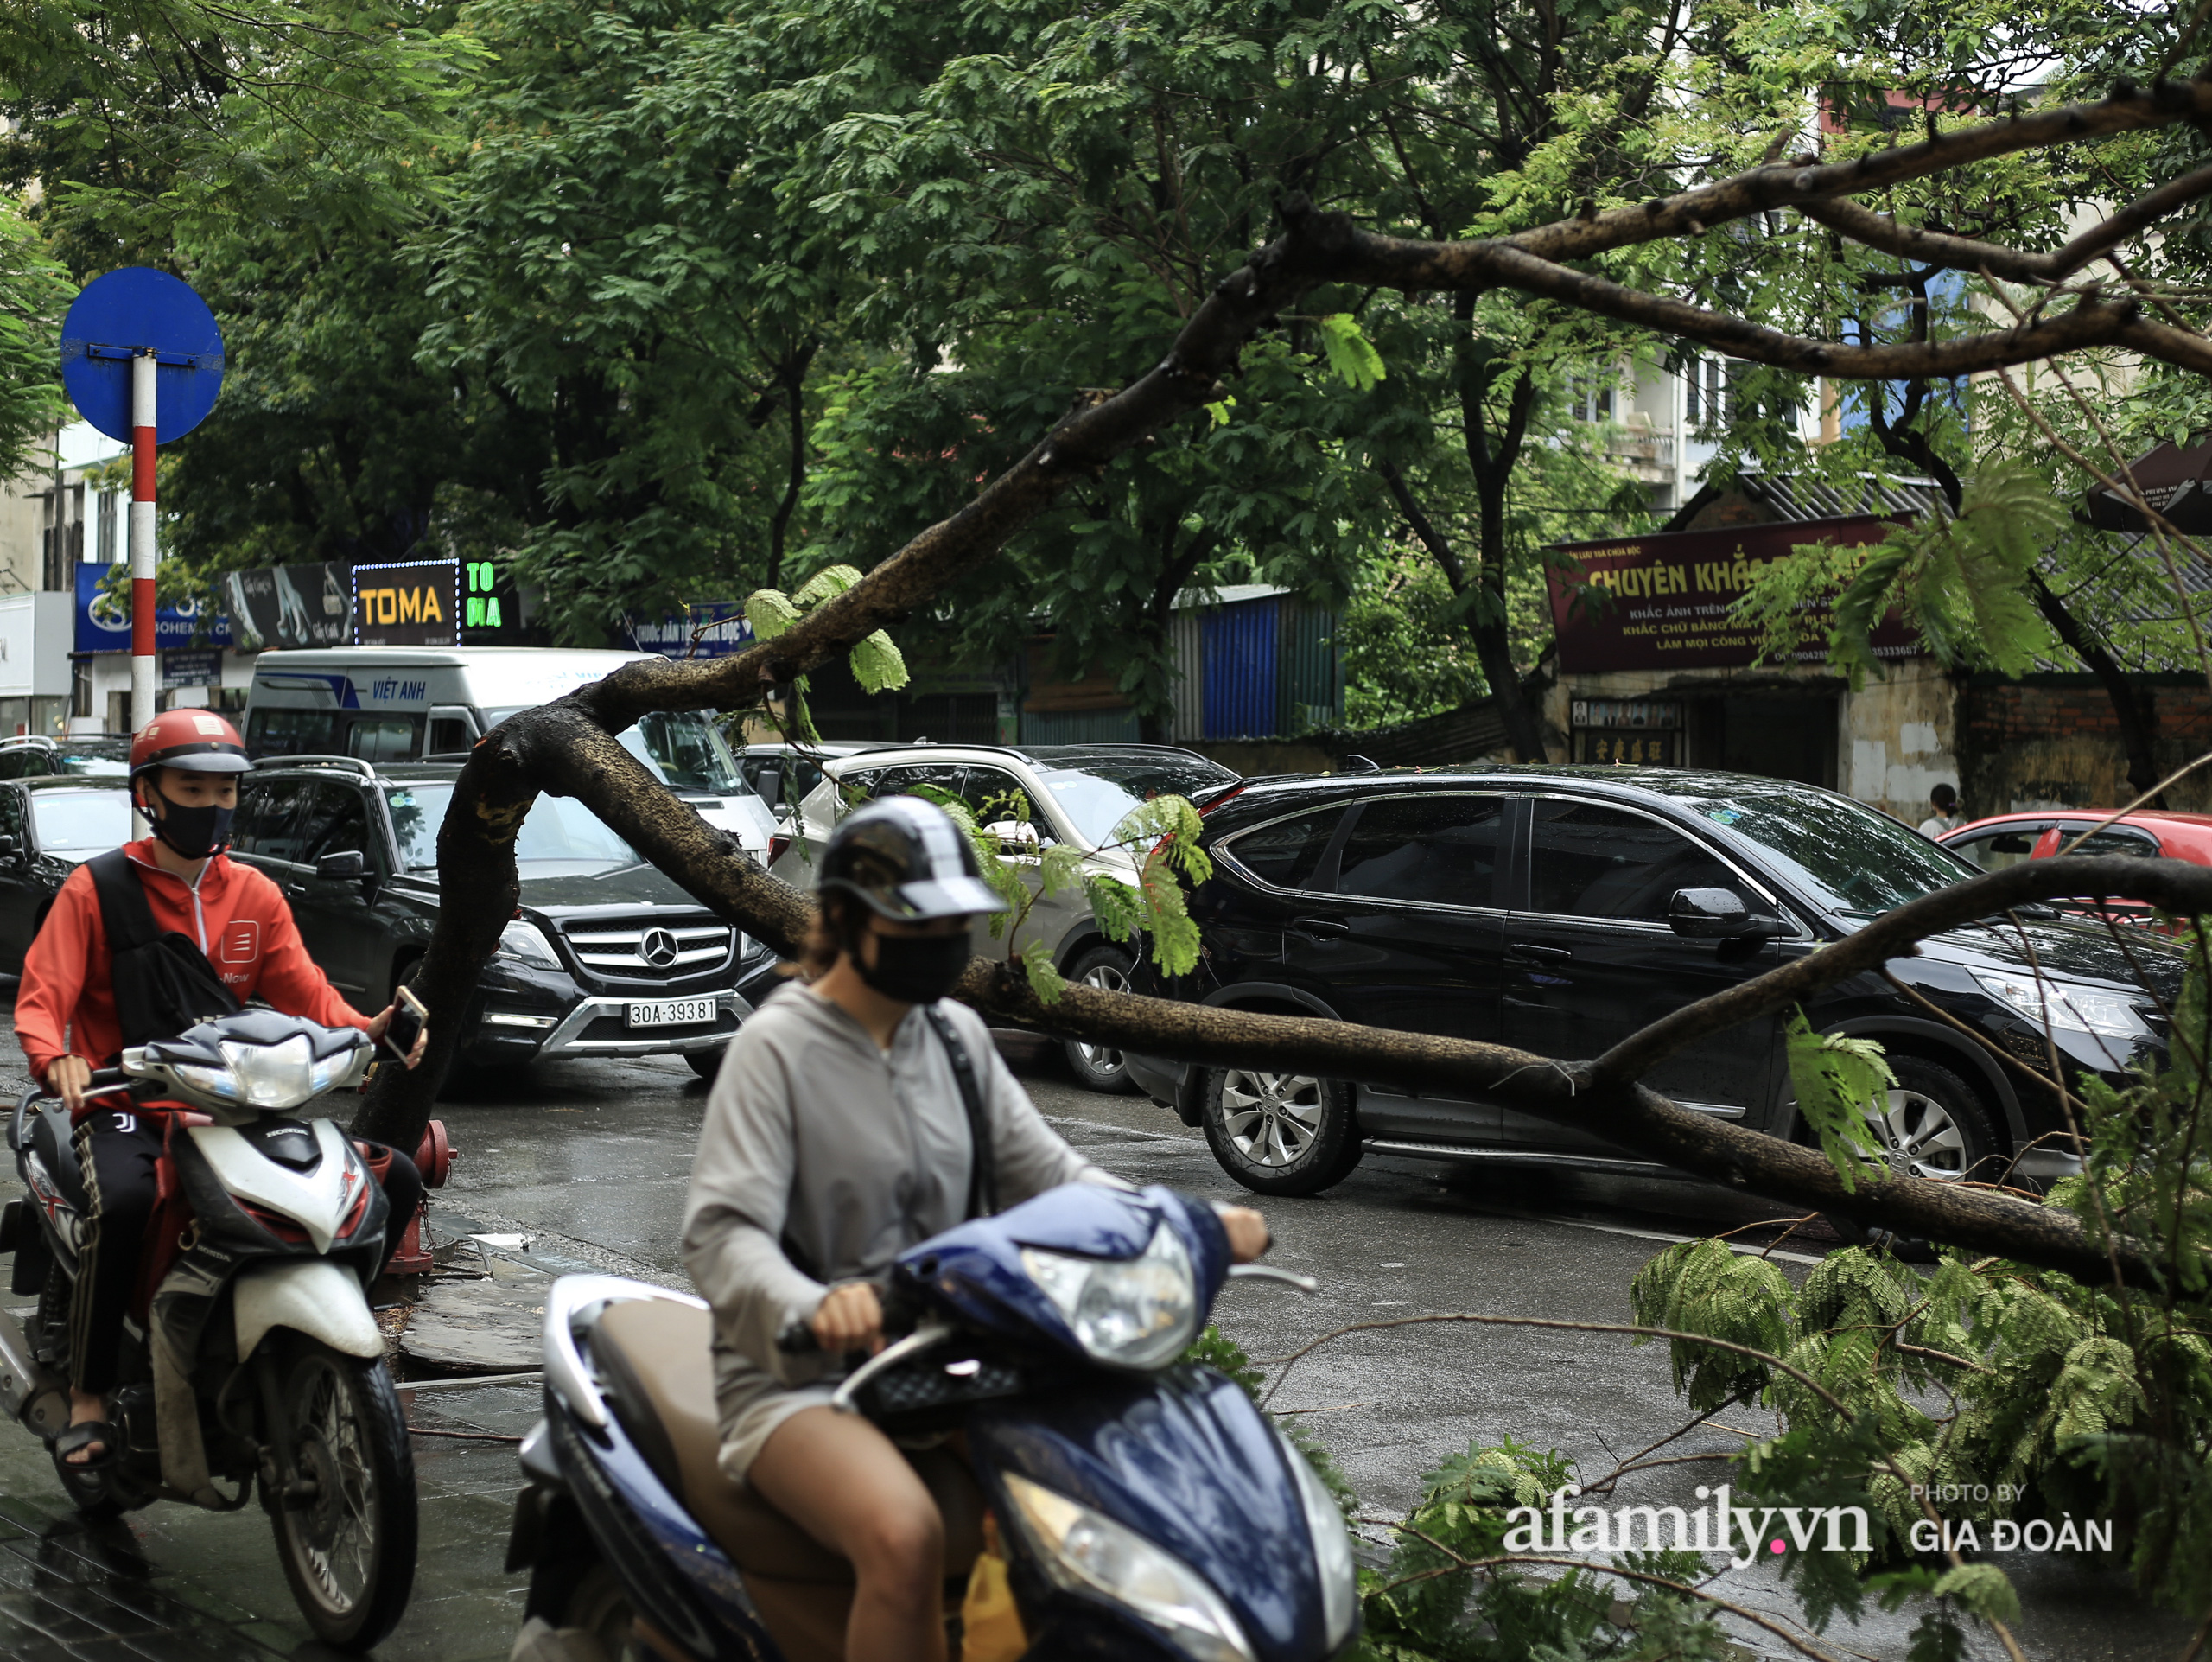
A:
x,y
434,1158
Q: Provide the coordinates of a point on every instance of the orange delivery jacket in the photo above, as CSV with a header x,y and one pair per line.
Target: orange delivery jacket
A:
x,y
67,1003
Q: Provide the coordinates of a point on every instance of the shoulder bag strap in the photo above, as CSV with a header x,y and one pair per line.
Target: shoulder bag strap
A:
x,y
982,1175
124,913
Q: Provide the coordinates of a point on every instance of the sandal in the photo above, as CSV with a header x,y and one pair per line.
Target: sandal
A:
x,y
83,1436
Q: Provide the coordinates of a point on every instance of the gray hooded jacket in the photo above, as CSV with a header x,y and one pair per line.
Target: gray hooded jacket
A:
x,y
818,1142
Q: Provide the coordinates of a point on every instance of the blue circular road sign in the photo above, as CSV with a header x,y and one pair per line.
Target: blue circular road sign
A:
x,y
132,310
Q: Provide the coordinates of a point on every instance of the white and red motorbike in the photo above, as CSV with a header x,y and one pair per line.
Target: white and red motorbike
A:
x,y
250,1356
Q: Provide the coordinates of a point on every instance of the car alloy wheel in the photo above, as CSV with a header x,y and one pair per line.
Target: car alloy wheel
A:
x,y
1919,1138
1280,1133
1272,1119
1100,1067
1107,977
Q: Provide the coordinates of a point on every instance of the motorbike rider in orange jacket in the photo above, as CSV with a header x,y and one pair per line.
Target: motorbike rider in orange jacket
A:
x,y
184,771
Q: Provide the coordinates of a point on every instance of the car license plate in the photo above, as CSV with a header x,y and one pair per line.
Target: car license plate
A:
x,y
672,1013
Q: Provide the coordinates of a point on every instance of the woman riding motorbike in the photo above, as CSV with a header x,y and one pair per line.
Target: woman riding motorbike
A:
x,y
837,1135
230,935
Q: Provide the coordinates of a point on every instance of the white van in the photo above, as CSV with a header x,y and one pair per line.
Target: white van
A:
x,y
406,704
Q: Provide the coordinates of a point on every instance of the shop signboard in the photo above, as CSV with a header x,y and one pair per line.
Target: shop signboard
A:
x,y
104,618
707,628
410,603
192,666
287,607
1662,601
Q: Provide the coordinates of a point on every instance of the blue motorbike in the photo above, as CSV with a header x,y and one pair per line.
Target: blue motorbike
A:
x,y
1143,1508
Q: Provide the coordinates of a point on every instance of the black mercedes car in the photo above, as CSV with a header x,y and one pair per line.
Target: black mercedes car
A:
x,y
606,958
1559,909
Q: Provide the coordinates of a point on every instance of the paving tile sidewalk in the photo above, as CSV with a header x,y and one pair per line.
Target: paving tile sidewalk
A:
x,y
174,1584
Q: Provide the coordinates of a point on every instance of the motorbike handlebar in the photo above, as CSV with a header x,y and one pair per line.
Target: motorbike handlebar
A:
x,y
797,1340
103,1080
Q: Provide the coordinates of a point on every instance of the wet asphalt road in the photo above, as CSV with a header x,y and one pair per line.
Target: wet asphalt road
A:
x,y
591,1161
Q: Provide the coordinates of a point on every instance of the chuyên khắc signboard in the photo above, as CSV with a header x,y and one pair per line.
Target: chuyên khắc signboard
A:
x,y
1663,600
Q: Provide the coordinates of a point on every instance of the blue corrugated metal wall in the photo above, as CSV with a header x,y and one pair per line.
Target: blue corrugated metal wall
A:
x,y
1312,670
1240,651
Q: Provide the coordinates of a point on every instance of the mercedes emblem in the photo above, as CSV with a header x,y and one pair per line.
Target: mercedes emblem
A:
x,y
657,948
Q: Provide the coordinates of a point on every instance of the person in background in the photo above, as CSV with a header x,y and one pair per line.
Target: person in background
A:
x,y
1946,817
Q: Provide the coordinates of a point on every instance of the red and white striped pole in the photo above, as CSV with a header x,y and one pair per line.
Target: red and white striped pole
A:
x,y
143,681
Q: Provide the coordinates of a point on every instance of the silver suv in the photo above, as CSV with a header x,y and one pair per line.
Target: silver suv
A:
x,y
1077,795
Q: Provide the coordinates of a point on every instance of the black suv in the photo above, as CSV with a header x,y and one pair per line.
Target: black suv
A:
x,y
606,957
1559,909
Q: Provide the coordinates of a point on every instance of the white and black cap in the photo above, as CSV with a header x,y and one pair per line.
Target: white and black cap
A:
x,y
904,858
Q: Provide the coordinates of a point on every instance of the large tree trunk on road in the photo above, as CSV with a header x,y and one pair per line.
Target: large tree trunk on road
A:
x,y
570,748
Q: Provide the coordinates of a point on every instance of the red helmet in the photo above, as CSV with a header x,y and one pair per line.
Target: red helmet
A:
x,y
197,740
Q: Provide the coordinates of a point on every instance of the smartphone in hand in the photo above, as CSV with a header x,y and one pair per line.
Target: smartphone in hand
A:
x,y
408,1016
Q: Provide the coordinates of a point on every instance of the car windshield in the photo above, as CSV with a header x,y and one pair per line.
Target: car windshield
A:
x,y
681,748
1095,797
71,822
556,828
1858,862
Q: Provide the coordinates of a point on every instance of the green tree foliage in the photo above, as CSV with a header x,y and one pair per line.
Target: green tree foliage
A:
x,y
275,155
617,263
2019,1396
35,290
1045,192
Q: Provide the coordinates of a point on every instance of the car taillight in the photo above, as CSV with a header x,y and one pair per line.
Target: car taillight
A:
x,y
1228,795
282,1227
777,843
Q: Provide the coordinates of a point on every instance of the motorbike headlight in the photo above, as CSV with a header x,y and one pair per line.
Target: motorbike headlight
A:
x,y
527,942
272,1076
214,1081
2067,1005
1086,1551
1332,1562
332,1071
1135,1313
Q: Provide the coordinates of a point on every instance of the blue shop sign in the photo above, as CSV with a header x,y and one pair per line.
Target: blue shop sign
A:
x,y
725,631
103,620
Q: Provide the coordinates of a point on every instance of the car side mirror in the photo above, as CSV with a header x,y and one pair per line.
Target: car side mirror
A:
x,y
11,848
350,863
1717,914
771,786
1014,838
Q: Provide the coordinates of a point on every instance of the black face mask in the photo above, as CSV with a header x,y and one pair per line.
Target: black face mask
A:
x,y
195,833
915,969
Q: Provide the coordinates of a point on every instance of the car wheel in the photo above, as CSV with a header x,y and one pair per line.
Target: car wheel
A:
x,y
1280,1133
1099,1067
1930,1124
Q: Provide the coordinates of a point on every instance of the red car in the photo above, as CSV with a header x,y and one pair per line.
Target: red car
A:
x,y
2006,839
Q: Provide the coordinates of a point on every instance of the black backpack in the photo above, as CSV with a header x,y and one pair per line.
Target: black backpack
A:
x,y
163,983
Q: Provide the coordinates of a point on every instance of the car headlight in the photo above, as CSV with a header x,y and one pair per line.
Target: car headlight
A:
x,y
272,1076
1332,1562
1135,1313
2066,1004
1086,1551
527,942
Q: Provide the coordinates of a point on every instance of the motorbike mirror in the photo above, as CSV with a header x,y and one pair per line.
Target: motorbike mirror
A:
x,y
352,862
1716,914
